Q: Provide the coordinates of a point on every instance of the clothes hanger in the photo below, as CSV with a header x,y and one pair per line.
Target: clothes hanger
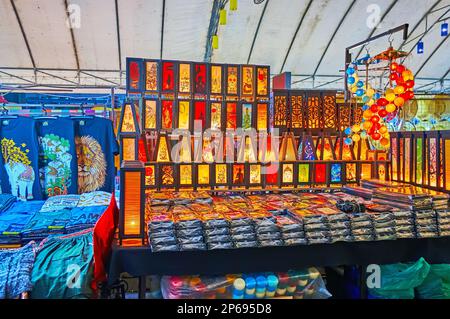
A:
x,y
83,114
45,116
5,115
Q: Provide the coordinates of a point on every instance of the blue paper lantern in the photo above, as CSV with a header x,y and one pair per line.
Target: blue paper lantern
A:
x,y
365,107
360,84
365,99
359,92
348,141
348,131
350,71
444,29
420,47
351,80
363,135
376,96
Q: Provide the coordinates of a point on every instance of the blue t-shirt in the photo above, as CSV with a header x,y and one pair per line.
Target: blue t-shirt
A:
x,y
19,172
96,146
58,169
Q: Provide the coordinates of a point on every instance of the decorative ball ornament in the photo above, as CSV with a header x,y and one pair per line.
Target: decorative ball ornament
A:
x,y
399,101
391,107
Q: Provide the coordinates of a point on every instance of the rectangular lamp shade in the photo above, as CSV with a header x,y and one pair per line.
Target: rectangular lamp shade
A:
x,y
132,210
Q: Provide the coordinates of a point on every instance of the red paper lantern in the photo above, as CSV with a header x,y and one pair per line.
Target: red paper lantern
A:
x,y
376,136
374,108
409,95
400,69
382,113
375,119
393,77
383,102
394,66
410,84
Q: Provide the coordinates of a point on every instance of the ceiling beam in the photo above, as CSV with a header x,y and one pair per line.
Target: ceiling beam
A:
x,y
17,77
72,36
334,34
379,22
431,55
99,77
24,35
161,48
257,30
295,35
119,48
57,77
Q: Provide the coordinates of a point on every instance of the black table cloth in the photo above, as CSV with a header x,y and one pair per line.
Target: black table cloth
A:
x,y
141,261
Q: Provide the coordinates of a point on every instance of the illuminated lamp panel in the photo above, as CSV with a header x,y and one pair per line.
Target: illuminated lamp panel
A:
x,y
433,162
366,171
150,114
394,152
320,173
336,173
183,114
350,172
419,161
132,192
151,76
221,174
185,175
303,173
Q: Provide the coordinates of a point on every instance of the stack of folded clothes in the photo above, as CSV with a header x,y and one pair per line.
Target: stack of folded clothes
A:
x,y
217,231
443,220
317,228
439,200
426,223
358,191
377,183
362,227
405,198
384,225
267,231
44,224
291,228
6,201
161,233
404,224
188,229
242,229
84,217
340,227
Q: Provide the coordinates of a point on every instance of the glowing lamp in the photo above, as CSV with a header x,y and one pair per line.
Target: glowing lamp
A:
x,y
215,42
223,17
420,48
132,202
233,5
444,29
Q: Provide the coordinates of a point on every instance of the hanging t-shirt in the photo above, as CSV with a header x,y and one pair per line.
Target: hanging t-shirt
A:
x,y
20,153
58,169
96,146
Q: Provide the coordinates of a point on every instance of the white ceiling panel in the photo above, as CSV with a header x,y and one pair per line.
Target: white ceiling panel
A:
x,y
276,32
45,26
13,50
140,28
96,37
236,37
317,28
186,28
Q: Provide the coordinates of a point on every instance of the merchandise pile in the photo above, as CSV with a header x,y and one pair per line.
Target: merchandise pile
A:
x,y
24,222
306,284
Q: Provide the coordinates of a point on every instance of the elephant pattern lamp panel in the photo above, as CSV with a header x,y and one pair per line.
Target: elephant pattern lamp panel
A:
x,y
216,116
216,79
247,80
150,114
167,115
168,77
262,84
151,76
200,78
184,78
232,87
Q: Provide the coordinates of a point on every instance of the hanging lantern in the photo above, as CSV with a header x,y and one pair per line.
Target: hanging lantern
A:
x,y
223,17
420,48
233,5
444,29
215,42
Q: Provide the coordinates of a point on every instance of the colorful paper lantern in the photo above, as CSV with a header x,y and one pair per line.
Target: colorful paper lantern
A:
x,y
215,42
223,17
390,108
399,101
233,5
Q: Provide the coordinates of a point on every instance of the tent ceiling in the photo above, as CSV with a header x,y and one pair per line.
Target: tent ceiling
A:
x,y
304,37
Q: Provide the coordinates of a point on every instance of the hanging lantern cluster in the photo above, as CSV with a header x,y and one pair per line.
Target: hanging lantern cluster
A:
x,y
378,109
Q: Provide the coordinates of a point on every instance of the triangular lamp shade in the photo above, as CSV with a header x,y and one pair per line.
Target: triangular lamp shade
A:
x,y
163,151
247,150
288,148
128,119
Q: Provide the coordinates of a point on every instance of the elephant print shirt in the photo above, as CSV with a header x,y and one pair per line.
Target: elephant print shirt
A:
x,y
96,146
58,173
19,161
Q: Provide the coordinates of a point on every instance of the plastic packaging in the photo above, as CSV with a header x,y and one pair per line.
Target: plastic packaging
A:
x,y
437,284
189,232
319,240
156,248
269,236
245,244
348,238
293,235
362,231
340,225
242,230
218,239
306,284
426,234
340,232
190,240
268,243
162,233
197,246
363,237
267,229
244,237
217,231
295,241
163,241
362,224
399,280
220,245
316,227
